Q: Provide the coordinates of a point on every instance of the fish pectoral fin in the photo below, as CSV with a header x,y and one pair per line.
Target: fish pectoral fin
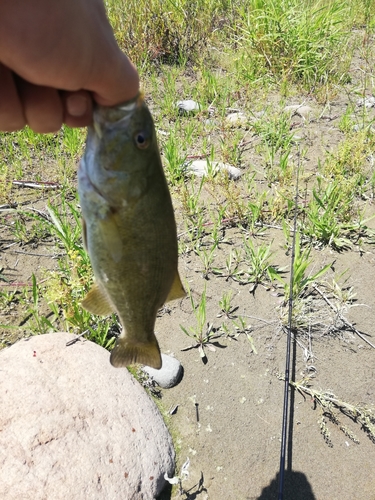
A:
x,y
84,234
111,237
127,352
97,302
177,290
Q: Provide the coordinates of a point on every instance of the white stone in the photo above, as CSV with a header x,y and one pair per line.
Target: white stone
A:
x,y
169,374
73,427
201,168
188,106
299,109
367,102
237,119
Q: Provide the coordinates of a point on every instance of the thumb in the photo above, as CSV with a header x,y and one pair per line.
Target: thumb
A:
x,y
116,79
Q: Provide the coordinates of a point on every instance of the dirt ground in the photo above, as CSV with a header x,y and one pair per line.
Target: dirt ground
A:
x,y
226,414
235,440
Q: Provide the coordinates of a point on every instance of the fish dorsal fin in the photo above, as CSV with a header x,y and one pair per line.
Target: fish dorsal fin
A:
x,y
177,290
97,302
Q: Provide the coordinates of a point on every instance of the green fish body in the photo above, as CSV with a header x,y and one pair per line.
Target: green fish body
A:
x,y
129,229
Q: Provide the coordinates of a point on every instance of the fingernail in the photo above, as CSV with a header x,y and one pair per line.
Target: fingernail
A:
x,y
76,105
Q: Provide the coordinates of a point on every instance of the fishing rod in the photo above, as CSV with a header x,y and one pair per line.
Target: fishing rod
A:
x,y
288,345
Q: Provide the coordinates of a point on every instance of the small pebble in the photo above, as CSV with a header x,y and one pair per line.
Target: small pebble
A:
x,y
169,375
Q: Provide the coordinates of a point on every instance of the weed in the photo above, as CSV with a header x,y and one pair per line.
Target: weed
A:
x,y
276,135
7,298
349,162
190,199
175,160
217,234
242,328
301,280
331,406
206,257
41,323
347,121
231,268
225,304
203,333
255,214
24,231
259,269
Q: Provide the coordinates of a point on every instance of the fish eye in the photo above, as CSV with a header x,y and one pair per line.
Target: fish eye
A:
x,y
141,140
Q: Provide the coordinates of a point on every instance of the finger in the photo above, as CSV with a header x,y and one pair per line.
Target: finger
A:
x,y
117,82
42,106
11,112
77,108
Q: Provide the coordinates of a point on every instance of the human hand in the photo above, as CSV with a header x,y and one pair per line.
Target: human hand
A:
x,y
56,58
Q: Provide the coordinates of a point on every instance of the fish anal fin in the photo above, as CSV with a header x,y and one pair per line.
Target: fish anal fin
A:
x,y
127,352
97,302
177,290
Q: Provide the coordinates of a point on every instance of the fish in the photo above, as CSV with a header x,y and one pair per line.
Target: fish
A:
x,y
128,228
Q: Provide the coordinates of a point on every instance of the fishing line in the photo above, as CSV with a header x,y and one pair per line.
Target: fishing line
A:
x,y
288,345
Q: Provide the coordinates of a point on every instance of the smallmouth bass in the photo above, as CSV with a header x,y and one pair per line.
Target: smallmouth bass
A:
x,y
129,230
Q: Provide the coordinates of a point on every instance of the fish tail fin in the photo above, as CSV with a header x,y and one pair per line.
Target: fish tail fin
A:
x,y
127,352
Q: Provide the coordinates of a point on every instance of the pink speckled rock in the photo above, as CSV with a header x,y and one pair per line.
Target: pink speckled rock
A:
x,y
73,427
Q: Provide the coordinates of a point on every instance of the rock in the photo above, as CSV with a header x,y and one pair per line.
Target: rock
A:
x,y
299,109
360,126
188,106
201,168
367,102
73,427
237,119
169,375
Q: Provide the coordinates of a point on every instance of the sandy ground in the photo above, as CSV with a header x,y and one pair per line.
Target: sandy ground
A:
x,y
234,440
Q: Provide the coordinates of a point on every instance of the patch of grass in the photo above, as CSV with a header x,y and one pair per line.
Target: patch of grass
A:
x,y
171,31
331,217
299,42
349,166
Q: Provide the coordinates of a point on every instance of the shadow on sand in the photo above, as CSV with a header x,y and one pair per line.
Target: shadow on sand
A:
x,y
296,487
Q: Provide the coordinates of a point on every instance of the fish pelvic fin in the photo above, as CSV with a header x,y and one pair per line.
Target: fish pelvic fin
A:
x,y
128,352
97,302
177,290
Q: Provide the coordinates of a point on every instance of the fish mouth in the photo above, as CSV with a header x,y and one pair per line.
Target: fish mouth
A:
x,y
112,115
129,107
